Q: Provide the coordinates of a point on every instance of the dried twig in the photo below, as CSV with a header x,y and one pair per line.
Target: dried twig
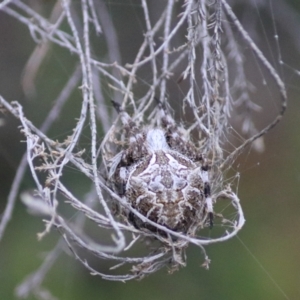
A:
x,y
200,44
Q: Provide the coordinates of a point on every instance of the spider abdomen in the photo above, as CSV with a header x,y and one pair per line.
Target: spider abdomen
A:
x,y
167,187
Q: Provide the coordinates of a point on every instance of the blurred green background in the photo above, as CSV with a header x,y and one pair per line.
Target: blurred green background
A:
x,y
262,263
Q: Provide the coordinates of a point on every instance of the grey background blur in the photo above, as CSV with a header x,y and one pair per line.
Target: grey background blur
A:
x,y
269,187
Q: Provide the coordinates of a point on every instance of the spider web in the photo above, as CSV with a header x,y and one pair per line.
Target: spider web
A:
x,y
195,48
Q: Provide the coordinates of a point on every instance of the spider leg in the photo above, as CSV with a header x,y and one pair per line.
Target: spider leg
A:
x,y
207,195
133,150
175,137
136,148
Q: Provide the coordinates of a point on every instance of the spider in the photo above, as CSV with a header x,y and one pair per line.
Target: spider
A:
x,y
162,175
